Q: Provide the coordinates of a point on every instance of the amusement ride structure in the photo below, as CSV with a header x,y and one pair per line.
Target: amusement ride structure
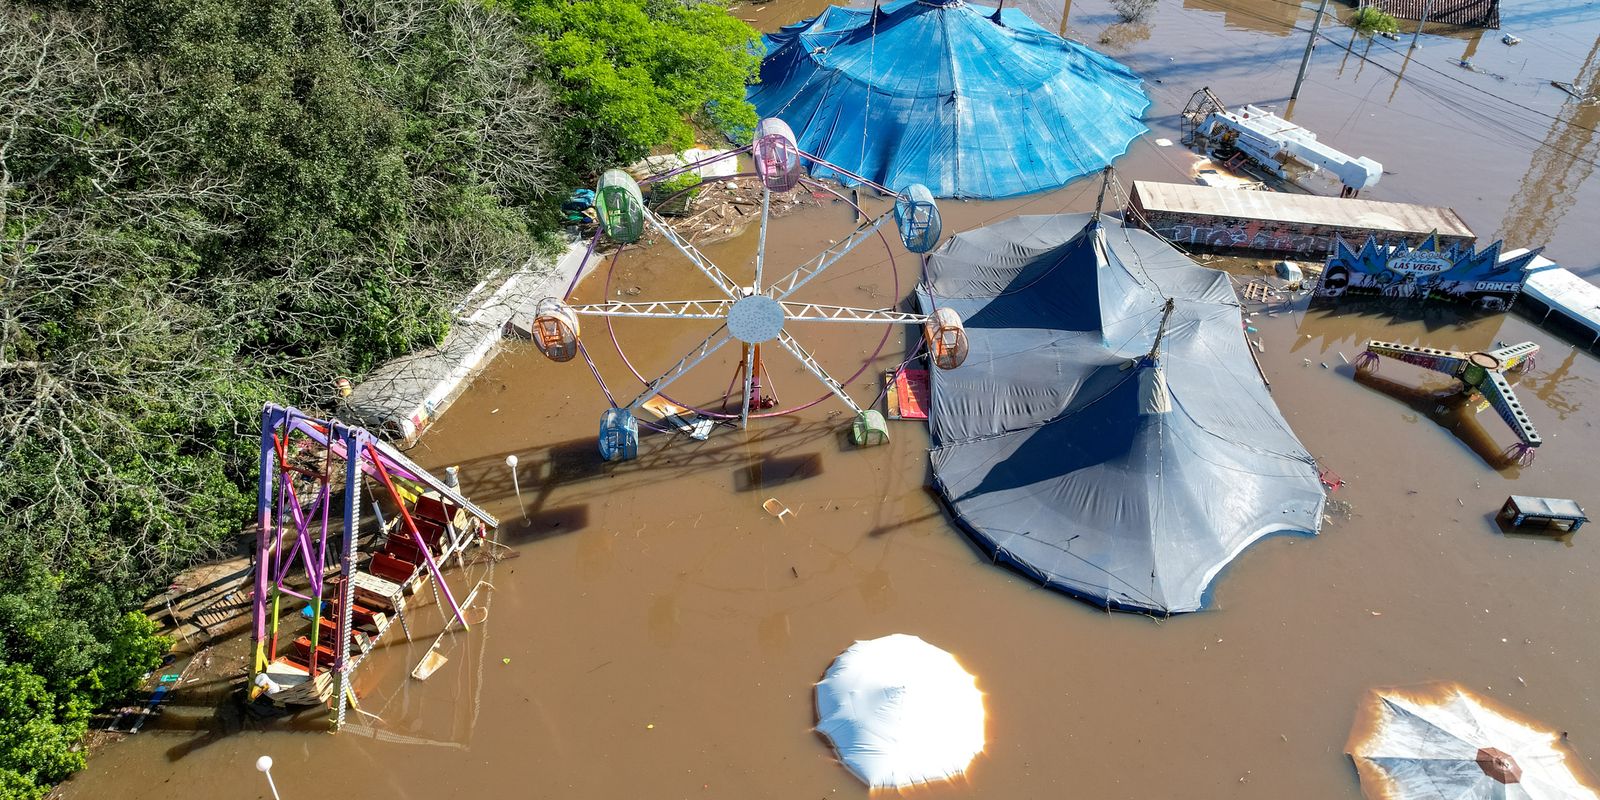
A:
x,y
313,562
1481,372
754,311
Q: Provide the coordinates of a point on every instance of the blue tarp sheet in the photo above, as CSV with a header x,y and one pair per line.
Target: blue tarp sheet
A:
x,y
1069,452
941,94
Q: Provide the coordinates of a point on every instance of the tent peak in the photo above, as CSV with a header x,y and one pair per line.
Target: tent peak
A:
x,y
908,91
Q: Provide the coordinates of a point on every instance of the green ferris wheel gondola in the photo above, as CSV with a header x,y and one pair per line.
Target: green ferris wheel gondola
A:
x,y
621,206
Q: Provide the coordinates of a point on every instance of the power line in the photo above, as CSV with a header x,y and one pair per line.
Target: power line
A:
x,y
1295,26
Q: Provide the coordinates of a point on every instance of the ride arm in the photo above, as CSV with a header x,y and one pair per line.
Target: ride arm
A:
x,y
788,284
711,344
810,363
1449,362
1510,357
662,309
813,312
1499,393
695,257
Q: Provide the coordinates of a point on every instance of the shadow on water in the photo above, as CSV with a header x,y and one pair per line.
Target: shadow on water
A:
x,y
1379,315
1448,408
766,472
663,458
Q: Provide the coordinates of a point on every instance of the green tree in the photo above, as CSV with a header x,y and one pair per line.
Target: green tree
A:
x,y
634,74
206,204
39,734
1369,20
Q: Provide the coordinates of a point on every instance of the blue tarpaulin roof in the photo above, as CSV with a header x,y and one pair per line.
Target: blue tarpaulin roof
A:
x,y
940,93
1071,453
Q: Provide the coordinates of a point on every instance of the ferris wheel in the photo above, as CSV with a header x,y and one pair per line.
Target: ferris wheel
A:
x,y
755,312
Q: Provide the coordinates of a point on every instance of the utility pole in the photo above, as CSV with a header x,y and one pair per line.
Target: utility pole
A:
x,y
1305,60
1427,9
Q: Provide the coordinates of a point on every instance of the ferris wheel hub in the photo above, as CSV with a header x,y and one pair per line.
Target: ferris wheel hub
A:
x,y
755,318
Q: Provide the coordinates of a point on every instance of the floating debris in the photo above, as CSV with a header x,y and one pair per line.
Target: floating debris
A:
x,y
776,509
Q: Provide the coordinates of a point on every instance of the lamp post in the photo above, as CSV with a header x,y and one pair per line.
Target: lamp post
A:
x,y
511,461
264,766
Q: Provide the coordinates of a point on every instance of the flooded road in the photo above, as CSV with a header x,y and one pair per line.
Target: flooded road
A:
x,y
659,634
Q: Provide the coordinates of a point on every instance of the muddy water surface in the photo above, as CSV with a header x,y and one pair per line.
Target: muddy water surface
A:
x,y
659,633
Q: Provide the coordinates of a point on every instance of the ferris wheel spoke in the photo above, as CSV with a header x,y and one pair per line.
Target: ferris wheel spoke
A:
x,y
788,284
810,363
761,243
813,312
701,352
659,309
705,265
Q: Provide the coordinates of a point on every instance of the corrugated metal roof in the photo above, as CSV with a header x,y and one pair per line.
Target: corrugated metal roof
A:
x,y
1305,209
1561,289
1473,13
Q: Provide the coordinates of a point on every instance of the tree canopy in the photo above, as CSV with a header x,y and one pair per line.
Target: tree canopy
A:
x,y
208,204
639,74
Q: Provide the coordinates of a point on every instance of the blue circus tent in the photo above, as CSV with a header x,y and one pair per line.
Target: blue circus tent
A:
x,y
1109,435
969,102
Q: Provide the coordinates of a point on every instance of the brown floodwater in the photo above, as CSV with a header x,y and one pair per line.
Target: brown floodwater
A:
x,y
659,634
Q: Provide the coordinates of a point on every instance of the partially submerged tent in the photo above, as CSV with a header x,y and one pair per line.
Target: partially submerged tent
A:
x,y
1099,440
900,712
1441,742
970,102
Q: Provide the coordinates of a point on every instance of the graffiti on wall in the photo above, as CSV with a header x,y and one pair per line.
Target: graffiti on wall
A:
x,y
1245,233
1429,271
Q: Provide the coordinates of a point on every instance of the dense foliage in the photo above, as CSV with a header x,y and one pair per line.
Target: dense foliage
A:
x,y
641,71
1369,20
207,204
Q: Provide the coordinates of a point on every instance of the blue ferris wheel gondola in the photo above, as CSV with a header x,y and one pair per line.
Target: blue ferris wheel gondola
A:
x,y
619,435
918,218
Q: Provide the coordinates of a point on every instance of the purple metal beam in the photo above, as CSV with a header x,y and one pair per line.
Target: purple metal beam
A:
x,y
264,525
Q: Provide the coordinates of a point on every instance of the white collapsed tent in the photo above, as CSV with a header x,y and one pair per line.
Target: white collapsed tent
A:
x,y
1441,742
900,711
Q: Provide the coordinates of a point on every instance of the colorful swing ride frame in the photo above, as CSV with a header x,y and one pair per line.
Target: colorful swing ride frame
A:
x,y
754,313
302,558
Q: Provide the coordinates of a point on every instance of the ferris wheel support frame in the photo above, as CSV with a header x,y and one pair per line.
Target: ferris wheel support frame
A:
x,y
755,314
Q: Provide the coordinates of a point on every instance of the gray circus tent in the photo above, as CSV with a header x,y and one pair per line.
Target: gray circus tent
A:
x,y
1077,448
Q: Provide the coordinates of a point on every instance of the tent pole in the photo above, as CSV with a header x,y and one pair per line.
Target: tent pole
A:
x,y
1162,331
1100,201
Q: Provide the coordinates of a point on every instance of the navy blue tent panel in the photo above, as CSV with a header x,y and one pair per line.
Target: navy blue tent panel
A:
x,y
1071,448
943,94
